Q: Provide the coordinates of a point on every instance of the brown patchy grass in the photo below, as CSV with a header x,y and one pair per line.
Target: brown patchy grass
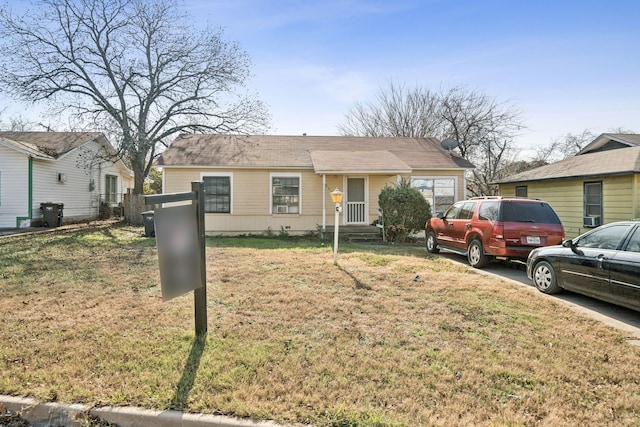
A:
x,y
295,339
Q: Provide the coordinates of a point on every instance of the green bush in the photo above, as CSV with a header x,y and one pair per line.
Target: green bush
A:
x,y
404,209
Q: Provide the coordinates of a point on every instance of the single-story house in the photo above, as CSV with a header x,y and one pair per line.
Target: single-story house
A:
x,y
599,185
258,183
71,171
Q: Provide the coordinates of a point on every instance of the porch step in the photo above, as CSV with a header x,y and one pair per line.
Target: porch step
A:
x,y
356,233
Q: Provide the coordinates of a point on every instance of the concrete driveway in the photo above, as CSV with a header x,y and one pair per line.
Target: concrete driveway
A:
x,y
625,320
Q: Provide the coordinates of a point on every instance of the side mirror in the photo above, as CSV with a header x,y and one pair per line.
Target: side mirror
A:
x,y
440,215
573,246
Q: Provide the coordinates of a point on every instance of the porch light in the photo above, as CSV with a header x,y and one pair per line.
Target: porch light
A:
x,y
336,196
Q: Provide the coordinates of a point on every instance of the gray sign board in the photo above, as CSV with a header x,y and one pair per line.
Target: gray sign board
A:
x,y
179,257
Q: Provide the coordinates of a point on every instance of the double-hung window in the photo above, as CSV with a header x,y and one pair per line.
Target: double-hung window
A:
x,y
217,193
111,189
593,200
285,193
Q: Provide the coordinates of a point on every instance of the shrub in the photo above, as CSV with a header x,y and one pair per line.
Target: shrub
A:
x,y
404,209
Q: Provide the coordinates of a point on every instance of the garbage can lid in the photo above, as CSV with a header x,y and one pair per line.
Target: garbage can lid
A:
x,y
147,213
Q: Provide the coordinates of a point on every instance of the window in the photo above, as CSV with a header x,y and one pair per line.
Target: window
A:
x,y
453,211
467,210
439,192
605,238
111,189
489,211
521,191
217,194
540,213
633,245
285,194
593,199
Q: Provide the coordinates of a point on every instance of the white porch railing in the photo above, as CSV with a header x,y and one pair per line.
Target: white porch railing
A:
x,y
355,213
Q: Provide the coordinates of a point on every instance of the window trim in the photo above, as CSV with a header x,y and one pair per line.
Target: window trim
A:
x,y
584,199
229,175
434,178
526,191
110,189
273,175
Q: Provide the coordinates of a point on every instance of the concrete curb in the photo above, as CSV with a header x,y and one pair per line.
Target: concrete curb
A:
x,y
55,414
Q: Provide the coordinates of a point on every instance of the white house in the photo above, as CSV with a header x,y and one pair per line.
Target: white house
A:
x,y
74,169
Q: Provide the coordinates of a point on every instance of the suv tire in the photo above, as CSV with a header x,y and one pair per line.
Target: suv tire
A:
x,y
432,243
475,254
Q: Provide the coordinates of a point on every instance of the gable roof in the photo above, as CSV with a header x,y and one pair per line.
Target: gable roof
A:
x,y
48,145
610,141
622,161
323,154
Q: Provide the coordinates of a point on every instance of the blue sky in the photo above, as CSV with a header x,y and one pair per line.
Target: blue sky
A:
x,y
566,65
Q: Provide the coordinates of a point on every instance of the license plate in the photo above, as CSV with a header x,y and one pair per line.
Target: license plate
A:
x,y
533,240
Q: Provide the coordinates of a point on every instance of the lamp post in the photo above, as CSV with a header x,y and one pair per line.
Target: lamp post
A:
x,y
336,196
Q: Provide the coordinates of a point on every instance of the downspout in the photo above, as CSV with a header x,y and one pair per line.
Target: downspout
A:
x,y
29,195
324,203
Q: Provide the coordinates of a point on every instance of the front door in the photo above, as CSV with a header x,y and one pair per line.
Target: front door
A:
x,y
356,209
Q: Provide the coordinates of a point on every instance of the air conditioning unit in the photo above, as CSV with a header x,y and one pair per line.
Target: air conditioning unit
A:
x,y
282,209
591,221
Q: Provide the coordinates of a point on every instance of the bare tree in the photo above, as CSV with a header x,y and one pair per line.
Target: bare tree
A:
x,y
566,146
136,69
396,111
17,124
484,128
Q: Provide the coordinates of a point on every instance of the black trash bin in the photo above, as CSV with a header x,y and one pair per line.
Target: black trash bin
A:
x,y
149,225
51,214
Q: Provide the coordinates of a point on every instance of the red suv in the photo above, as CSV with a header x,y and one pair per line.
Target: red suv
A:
x,y
486,227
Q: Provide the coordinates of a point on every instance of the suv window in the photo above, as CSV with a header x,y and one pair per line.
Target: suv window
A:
x,y
540,213
489,211
467,210
452,212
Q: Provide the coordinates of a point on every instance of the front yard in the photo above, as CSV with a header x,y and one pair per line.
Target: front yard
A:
x,y
389,337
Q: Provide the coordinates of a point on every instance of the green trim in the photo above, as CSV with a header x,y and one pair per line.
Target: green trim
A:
x,y
29,196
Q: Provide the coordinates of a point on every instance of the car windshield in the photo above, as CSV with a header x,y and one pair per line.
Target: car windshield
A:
x,y
540,213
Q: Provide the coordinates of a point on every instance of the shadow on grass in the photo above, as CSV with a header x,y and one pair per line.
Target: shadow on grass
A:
x,y
185,384
359,284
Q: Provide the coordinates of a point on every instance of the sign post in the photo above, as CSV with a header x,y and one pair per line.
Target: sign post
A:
x,y
180,238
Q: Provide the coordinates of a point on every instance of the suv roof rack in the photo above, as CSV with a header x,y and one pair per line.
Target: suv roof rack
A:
x,y
485,197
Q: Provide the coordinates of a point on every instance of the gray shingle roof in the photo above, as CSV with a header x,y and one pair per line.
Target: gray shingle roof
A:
x,y
349,154
45,145
620,161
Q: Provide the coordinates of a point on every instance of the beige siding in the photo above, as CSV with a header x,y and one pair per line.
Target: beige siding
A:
x,y
620,199
251,204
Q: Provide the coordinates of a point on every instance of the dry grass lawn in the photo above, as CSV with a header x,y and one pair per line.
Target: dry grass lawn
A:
x,y
295,339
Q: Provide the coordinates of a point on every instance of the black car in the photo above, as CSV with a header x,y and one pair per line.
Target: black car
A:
x,y
603,263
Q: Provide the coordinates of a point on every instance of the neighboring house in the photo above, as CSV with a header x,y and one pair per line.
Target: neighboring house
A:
x,y
283,183
71,168
600,184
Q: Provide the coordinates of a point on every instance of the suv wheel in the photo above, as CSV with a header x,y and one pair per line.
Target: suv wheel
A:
x,y
475,254
432,243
